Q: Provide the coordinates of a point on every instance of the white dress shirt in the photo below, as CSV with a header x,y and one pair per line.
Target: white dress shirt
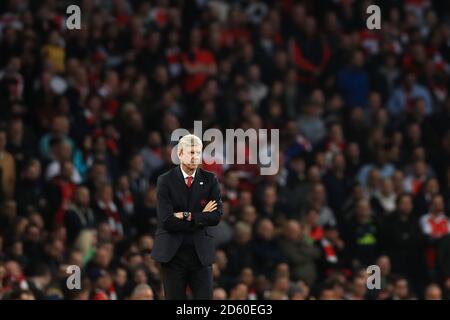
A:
x,y
185,175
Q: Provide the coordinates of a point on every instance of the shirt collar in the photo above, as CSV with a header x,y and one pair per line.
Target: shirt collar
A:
x,y
185,175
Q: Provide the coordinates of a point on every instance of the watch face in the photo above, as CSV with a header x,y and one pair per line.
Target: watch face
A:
x,y
186,214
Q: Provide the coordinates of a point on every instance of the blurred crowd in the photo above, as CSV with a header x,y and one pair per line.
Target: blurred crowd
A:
x,y
364,117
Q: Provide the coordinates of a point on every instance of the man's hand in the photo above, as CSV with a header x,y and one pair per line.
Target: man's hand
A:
x,y
210,206
179,215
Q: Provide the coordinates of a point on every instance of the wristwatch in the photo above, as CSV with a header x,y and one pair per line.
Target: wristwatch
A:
x,y
186,215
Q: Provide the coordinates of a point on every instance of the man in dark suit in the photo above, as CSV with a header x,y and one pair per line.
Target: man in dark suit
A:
x,y
188,202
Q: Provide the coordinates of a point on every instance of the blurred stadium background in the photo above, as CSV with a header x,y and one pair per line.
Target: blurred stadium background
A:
x,y
364,117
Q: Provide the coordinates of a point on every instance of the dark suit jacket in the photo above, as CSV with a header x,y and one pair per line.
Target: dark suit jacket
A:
x,y
173,195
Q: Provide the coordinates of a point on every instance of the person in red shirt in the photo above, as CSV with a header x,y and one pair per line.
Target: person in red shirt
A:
x,y
312,225
103,286
435,225
310,52
198,63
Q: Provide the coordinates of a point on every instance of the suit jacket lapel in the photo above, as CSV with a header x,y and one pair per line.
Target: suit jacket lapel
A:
x,y
179,176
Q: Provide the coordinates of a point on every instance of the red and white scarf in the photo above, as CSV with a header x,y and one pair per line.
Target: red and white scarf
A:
x,y
113,217
126,201
328,249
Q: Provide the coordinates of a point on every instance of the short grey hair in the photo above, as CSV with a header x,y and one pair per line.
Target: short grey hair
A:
x,y
189,140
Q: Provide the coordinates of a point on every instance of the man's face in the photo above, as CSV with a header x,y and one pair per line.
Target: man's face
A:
x,y
26,296
405,205
437,205
358,59
359,287
293,231
137,163
270,196
190,156
401,289
33,171
219,294
363,210
265,230
120,277
57,249
240,292
433,293
328,294
99,172
102,258
104,282
154,140
67,170
83,197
